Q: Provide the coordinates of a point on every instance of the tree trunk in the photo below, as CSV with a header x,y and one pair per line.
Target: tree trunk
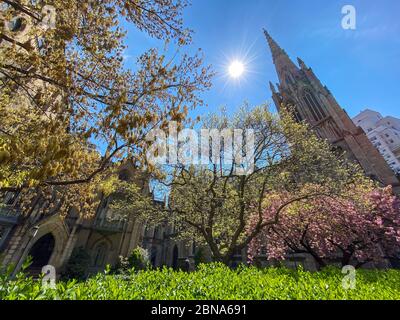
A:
x,y
346,258
320,262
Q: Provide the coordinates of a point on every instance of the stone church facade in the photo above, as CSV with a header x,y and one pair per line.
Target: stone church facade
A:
x,y
52,240
313,103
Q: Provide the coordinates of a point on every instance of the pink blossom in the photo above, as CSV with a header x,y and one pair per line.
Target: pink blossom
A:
x,y
361,227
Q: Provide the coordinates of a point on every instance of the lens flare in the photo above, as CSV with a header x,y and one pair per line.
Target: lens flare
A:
x,y
236,69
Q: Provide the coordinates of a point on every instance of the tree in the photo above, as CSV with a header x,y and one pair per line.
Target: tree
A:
x,y
213,204
70,111
362,225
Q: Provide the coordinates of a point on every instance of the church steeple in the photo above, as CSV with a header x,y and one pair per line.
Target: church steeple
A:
x,y
313,103
276,50
283,63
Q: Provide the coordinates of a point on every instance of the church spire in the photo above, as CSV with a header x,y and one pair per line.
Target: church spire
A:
x,y
276,50
314,104
282,61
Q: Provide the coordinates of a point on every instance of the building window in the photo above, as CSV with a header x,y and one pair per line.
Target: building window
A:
x,y
175,257
314,106
153,259
157,232
4,231
296,112
10,198
100,255
297,115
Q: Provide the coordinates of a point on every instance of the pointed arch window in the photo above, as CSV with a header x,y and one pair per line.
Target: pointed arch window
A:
x,y
100,253
296,113
314,106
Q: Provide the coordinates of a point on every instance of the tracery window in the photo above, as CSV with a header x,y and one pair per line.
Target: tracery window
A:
x,y
297,115
314,106
11,198
296,111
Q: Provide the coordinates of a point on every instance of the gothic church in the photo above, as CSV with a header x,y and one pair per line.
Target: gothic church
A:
x,y
313,103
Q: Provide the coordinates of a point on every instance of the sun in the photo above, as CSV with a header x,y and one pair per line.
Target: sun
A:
x,y
236,69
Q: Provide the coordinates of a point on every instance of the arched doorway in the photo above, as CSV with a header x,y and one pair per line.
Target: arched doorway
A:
x,y
175,257
41,253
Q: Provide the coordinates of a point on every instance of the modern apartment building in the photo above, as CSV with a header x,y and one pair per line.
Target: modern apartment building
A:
x,y
384,133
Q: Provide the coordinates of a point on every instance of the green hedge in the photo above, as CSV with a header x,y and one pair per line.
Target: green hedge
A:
x,y
213,281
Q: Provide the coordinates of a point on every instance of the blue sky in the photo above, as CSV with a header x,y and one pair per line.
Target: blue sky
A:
x,y
361,67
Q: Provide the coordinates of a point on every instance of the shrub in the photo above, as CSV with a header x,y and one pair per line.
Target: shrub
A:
x,y
137,260
214,282
78,264
200,257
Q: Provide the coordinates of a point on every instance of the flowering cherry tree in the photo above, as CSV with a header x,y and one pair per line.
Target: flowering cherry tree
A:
x,y
359,227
